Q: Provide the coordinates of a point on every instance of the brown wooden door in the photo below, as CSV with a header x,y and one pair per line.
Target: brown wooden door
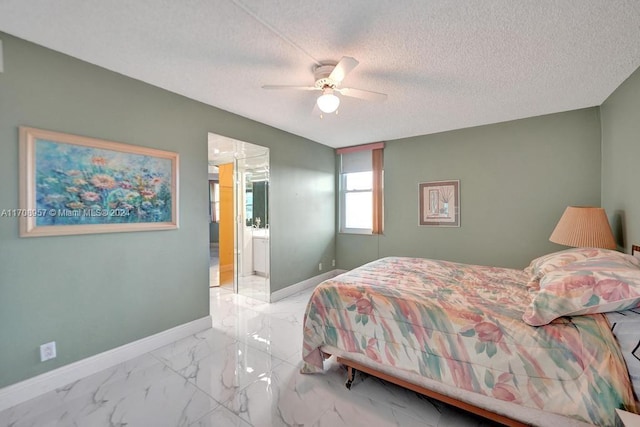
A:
x,y
226,223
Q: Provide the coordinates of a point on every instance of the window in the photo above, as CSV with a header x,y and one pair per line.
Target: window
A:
x,y
361,189
248,205
358,200
214,201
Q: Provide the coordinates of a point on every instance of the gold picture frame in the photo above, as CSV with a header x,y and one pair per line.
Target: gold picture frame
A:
x,y
72,184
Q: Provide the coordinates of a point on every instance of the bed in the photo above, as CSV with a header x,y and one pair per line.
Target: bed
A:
x,y
521,347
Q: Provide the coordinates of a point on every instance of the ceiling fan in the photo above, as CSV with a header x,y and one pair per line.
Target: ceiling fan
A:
x,y
328,78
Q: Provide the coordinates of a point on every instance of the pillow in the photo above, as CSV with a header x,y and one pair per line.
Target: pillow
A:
x,y
546,263
594,285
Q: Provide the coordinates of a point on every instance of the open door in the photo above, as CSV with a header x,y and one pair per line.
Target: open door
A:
x,y
242,172
227,225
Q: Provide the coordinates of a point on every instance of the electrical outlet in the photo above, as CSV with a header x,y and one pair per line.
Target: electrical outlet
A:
x,y
333,263
48,351
320,267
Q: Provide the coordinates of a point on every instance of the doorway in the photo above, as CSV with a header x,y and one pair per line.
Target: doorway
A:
x,y
241,172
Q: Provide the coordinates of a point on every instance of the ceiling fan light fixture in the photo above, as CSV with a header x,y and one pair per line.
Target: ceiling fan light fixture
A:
x,y
328,102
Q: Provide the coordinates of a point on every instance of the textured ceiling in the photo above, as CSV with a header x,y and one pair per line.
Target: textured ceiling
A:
x,y
444,64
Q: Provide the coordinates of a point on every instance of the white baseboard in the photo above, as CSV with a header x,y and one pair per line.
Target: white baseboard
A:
x,y
28,389
305,284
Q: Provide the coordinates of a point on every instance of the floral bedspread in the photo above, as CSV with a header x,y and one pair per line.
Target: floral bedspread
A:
x,y
462,325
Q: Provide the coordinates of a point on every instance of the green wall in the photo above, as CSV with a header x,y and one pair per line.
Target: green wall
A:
x,y
301,209
516,179
620,160
92,293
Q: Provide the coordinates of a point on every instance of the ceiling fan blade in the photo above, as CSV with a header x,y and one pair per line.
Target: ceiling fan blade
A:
x,y
290,87
343,68
363,94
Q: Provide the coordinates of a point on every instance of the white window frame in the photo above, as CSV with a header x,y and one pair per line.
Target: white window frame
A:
x,y
343,206
362,158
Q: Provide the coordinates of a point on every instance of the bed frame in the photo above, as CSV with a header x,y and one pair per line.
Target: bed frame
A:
x,y
353,367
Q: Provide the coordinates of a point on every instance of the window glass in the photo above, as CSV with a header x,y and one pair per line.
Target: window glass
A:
x,y
214,201
359,181
248,203
358,210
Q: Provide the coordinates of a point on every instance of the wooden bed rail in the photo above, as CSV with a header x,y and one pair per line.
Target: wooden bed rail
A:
x,y
351,366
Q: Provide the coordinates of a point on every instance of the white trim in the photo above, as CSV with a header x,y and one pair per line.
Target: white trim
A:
x,y
305,284
28,389
360,231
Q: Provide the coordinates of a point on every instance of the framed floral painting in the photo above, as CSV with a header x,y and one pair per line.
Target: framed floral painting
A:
x,y
440,203
71,184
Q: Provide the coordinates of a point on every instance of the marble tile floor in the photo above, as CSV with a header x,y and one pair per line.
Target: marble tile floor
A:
x,y
244,371
214,266
253,286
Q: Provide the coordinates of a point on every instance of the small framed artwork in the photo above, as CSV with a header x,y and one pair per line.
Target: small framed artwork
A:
x,y
440,203
635,250
71,184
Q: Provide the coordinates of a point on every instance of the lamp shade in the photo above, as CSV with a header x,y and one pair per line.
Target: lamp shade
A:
x,y
328,102
583,226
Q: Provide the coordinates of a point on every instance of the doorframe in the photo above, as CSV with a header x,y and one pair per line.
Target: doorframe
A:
x,y
222,149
